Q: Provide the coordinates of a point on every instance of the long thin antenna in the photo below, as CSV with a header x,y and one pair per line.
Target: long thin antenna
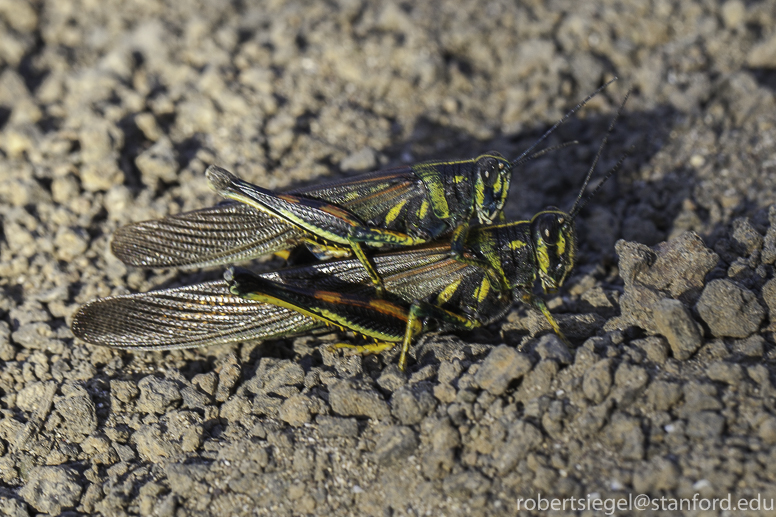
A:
x,y
547,150
547,133
578,203
606,177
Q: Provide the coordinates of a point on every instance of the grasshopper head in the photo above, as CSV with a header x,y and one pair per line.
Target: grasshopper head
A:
x,y
493,174
553,236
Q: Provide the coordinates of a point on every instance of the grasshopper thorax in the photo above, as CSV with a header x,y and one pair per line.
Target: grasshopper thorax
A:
x,y
492,176
552,232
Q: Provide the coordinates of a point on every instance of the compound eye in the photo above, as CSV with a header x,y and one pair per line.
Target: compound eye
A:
x,y
489,170
548,230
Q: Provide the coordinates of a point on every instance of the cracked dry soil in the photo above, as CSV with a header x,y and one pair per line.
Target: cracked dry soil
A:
x,y
110,112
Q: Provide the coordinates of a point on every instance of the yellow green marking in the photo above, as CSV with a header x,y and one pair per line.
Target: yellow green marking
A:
x,y
394,212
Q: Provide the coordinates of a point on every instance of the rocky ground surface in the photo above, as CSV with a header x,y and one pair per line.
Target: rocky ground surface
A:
x,y
109,113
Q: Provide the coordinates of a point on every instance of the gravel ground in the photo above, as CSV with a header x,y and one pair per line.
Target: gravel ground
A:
x,y
110,112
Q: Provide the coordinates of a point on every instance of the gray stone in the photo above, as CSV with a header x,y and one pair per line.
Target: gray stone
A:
x,y
207,382
705,425
263,404
730,310
680,266
179,422
410,405
768,255
78,413
229,372
295,411
394,444
592,419
333,427
440,457
763,54
70,243
392,378
39,336
466,484
630,381
234,409
659,474
158,162
157,395
166,506
100,175
747,239
502,366
304,461
363,160
192,398
625,436
12,507
677,267
185,480
753,346
733,13
124,391
538,381
347,401
19,239
663,395
7,350
98,139
29,398
273,374
767,430
98,448
673,321
31,311
52,489
728,373
759,373
152,445
523,438
655,347
597,381
125,452
769,296
699,397
551,347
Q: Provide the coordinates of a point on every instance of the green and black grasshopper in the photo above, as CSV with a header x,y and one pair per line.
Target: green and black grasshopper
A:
x,y
400,207
421,282
501,264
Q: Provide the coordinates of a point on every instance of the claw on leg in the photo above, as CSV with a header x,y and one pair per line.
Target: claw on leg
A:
x,y
539,304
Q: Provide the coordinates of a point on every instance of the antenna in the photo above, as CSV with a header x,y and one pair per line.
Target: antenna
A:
x,y
548,150
520,159
579,204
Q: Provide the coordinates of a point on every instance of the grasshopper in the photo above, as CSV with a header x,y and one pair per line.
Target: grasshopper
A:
x,y
399,207
424,281
210,314
501,265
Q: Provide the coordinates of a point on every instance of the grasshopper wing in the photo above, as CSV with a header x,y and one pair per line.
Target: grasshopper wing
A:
x,y
225,233
184,317
234,232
